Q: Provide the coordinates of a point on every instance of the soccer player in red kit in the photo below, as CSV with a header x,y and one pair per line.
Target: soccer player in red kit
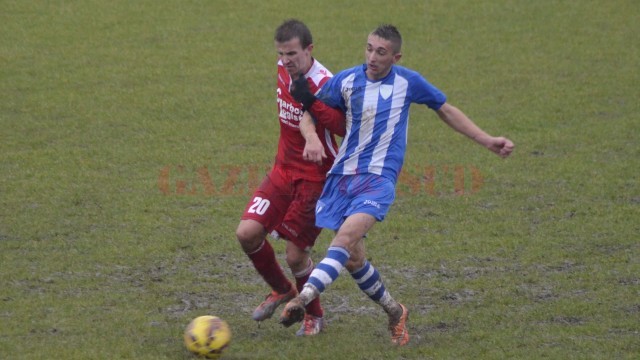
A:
x,y
284,204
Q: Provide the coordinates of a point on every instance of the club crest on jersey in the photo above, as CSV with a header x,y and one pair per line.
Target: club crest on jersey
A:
x,y
385,91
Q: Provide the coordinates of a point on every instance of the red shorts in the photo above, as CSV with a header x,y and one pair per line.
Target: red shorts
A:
x,y
288,206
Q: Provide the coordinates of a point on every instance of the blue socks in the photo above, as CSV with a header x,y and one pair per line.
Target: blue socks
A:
x,y
328,270
368,279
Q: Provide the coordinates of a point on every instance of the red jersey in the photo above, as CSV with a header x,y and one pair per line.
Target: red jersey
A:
x,y
329,121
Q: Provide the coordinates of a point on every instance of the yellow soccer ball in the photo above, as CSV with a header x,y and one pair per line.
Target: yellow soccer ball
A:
x,y
207,336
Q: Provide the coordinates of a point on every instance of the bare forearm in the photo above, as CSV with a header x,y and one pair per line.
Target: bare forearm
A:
x,y
308,127
458,121
455,118
313,148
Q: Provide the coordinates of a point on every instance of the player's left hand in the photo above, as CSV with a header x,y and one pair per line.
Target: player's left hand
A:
x,y
314,151
301,92
501,146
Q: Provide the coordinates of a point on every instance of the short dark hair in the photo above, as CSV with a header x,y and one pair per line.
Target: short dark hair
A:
x,y
391,33
291,29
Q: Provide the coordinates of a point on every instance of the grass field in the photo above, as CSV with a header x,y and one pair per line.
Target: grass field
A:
x,y
132,132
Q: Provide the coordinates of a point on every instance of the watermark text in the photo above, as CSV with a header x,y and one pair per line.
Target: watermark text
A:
x,y
235,180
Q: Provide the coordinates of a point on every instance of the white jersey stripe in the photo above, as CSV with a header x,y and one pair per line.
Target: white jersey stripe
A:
x,y
377,114
346,83
380,151
328,138
367,122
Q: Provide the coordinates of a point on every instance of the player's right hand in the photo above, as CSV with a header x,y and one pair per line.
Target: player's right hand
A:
x,y
501,146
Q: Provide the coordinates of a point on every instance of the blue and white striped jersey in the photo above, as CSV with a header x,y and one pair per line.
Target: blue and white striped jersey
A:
x,y
377,114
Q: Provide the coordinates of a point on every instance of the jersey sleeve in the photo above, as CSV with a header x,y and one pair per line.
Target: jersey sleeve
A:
x,y
423,92
331,93
331,118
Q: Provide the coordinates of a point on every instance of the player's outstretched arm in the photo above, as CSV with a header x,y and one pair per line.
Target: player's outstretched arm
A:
x,y
457,120
313,149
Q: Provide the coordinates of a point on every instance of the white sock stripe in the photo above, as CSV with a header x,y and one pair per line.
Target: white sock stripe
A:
x,y
366,276
386,300
306,271
329,268
333,263
374,288
340,249
322,276
259,247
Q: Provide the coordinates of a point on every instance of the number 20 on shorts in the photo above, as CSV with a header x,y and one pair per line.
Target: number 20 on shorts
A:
x,y
259,205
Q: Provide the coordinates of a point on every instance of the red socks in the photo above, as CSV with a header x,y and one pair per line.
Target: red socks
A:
x,y
264,260
313,308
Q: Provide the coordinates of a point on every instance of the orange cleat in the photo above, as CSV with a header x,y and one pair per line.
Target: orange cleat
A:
x,y
399,333
271,303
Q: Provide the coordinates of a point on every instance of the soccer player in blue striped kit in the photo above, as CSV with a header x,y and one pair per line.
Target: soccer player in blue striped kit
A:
x,y
360,187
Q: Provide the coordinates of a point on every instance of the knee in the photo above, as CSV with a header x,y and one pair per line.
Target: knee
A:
x,y
357,257
297,259
249,237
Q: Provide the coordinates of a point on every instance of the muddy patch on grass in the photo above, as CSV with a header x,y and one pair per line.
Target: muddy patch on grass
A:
x,y
422,334
442,326
632,310
564,267
537,293
567,320
210,302
465,295
629,281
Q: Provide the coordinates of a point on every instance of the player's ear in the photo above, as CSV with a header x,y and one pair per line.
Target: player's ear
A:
x,y
310,48
396,57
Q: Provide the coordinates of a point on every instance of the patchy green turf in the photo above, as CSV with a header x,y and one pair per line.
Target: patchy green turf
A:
x,y
133,131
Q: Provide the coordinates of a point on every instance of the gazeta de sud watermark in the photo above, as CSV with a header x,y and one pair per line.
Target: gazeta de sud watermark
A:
x,y
242,180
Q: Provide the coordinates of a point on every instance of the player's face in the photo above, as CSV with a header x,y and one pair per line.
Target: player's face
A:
x,y
294,58
379,55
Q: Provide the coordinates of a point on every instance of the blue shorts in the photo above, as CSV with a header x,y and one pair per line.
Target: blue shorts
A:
x,y
345,195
